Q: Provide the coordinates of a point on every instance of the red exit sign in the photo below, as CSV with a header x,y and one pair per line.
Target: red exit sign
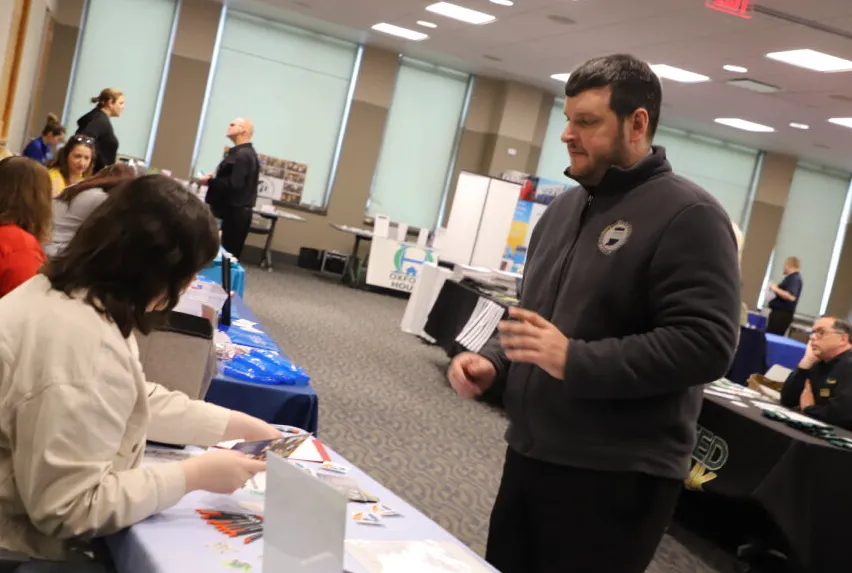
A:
x,y
734,7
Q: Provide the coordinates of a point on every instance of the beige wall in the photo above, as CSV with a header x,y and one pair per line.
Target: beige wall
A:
x,y
765,222
504,129
189,70
28,75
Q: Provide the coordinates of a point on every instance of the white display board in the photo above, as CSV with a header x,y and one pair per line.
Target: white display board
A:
x,y
480,219
459,239
293,496
395,264
496,222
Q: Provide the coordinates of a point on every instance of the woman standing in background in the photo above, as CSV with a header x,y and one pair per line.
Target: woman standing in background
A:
x,y
41,148
25,214
97,124
73,164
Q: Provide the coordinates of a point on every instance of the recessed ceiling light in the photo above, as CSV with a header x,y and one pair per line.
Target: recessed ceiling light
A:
x,y
812,60
844,121
561,77
744,124
735,69
460,13
754,85
400,32
503,2
559,19
795,125
678,75
426,24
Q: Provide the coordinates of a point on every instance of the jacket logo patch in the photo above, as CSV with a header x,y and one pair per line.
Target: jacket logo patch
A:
x,y
831,382
825,392
614,237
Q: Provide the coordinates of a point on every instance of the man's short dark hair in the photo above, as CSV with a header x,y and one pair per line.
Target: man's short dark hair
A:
x,y
143,244
634,85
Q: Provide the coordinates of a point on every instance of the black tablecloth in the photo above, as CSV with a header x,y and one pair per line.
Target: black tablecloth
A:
x,y
801,482
450,313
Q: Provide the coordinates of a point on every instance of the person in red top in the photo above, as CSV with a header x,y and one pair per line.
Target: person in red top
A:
x,y
25,219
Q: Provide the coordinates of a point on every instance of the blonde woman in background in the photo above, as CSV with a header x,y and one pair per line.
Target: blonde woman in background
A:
x,y
73,163
98,125
740,245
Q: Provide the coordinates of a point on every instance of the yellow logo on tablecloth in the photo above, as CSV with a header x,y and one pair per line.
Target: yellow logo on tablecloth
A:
x,y
698,476
710,454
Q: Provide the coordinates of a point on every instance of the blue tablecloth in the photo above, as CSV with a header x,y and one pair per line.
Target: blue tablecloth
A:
x,y
784,351
238,275
757,320
177,541
750,357
281,404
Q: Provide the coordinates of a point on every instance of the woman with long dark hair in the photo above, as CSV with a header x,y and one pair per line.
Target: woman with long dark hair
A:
x,y
73,163
77,408
75,203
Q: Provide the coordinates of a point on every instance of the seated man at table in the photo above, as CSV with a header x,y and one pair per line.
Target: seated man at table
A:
x,y
821,386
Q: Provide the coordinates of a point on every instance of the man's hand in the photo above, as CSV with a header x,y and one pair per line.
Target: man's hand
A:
x,y
807,397
809,359
773,287
533,340
205,179
471,374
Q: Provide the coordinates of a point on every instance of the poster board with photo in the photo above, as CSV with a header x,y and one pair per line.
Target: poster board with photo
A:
x,y
536,195
280,179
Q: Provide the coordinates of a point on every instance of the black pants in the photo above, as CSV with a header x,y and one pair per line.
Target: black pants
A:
x,y
236,222
779,321
556,519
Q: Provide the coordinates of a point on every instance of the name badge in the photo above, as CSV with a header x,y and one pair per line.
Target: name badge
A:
x,y
824,392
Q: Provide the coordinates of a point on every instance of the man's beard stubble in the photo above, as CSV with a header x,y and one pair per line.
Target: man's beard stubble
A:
x,y
618,156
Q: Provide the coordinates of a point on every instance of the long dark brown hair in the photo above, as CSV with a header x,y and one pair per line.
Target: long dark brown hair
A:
x,y
61,159
25,196
108,178
139,249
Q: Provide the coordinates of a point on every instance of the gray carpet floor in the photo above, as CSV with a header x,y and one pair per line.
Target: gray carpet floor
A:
x,y
385,405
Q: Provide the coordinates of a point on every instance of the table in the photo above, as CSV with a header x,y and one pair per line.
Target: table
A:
x,y
750,357
238,274
799,481
757,320
453,310
273,217
176,540
352,268
784,351
277,404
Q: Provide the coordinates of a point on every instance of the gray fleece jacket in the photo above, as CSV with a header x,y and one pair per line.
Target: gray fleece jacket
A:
x,y
641,275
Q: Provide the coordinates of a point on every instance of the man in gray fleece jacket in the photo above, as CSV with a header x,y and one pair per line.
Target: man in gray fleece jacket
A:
x,y
630,302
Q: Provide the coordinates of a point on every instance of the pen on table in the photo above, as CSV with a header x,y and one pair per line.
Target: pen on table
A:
x,y
253,538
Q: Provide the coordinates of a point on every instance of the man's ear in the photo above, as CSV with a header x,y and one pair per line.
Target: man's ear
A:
x,y
639,122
